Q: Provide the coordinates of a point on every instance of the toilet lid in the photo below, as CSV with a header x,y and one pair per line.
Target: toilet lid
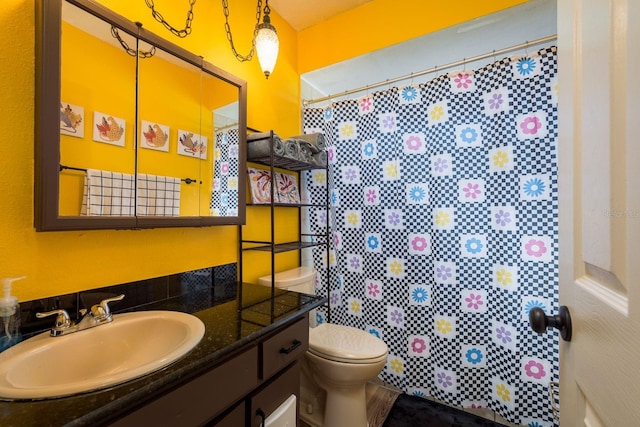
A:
x,y
345,343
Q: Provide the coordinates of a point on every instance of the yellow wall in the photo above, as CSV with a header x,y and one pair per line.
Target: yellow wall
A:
x,y
109,90
61,262
168,93
383,23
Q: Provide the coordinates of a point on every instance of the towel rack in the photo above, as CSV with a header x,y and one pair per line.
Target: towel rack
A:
x,y
63,167
185,180
190,180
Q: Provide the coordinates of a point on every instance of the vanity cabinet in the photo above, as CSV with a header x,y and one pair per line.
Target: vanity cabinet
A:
x,y
261,377
283,348
234,417
269,398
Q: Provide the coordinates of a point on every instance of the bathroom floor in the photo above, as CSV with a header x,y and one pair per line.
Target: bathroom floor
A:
x,y
380,399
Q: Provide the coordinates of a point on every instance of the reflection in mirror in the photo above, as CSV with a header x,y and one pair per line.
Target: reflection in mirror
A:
x,y
212,95
97,117
125,127
224,197
173,141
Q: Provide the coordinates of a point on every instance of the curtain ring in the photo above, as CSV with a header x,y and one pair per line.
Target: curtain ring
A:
x,y
494,55
526,48
464,65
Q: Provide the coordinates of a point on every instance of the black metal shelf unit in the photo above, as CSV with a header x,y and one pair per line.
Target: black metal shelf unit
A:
x,y
274,161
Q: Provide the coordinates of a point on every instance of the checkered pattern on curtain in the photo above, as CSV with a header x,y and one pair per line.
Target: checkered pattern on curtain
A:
x,y
224,195
444,213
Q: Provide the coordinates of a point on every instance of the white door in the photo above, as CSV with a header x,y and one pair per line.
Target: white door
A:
x,y
599,187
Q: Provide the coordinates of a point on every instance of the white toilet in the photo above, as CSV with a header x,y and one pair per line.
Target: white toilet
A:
x,y
339,362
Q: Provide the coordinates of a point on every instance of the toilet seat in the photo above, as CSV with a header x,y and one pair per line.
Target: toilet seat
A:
x,y
346,344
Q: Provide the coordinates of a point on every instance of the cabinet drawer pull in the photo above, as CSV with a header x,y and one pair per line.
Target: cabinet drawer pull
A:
x,y
262,416
296,344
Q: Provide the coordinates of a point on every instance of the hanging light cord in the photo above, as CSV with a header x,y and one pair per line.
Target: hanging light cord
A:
x,y
227,27
178,33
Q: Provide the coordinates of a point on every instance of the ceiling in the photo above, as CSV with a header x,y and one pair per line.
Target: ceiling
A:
x,y
301,14
527,22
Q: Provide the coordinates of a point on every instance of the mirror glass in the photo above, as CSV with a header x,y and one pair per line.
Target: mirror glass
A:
x,y
146,134
174,143
97,117
224,201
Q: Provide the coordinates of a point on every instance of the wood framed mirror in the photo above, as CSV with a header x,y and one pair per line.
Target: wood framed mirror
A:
x,y
132,131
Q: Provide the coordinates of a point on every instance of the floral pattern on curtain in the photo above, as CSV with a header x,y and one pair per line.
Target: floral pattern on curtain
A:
x,y
444,213
224,194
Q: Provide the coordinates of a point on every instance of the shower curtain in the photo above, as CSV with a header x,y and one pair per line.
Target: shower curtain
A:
x,y
224,192
444,225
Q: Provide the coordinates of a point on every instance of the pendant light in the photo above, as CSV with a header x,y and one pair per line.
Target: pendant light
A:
x,y
267,43
265,39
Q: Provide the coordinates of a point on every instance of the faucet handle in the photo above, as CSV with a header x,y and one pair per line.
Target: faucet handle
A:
x,y
62,318
102,310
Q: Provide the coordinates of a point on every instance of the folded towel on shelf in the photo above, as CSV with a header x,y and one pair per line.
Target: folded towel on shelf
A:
x,y
258,135
292,149
308,148
320,158
305,152
259,146
107,194
316,141
157,195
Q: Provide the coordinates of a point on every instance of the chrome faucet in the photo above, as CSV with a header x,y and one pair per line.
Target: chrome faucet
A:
x,y
98,315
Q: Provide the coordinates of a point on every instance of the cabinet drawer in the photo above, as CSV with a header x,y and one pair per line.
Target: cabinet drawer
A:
x,y
233,418
284,347
275,393
201,399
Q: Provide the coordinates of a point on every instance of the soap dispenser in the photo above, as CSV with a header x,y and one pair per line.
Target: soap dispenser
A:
x,y
9,316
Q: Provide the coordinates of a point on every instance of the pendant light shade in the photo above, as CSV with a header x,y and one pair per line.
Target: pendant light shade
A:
x,y
267,45
265,39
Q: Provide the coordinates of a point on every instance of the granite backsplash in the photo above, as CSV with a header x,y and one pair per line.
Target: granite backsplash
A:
x,y
219,280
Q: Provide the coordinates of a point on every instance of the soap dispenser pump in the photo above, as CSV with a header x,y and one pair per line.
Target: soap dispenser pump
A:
x,y
9,316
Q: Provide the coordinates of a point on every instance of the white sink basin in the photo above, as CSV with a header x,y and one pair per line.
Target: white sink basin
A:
x,y
132,345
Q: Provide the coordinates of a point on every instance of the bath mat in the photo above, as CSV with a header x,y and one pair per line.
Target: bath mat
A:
x,y
413,411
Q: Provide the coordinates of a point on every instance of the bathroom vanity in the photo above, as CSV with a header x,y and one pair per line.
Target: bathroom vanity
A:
x,y
236,392
245,366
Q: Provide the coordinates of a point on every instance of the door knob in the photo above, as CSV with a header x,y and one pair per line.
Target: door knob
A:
x,y
562,321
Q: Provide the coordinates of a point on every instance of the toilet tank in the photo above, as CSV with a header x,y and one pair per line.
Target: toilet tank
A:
x,y
301,279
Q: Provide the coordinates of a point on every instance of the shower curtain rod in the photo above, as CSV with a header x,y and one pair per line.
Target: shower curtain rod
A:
x,y
434,69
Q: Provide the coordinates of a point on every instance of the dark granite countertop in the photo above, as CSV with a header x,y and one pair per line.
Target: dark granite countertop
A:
x,y
234,317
